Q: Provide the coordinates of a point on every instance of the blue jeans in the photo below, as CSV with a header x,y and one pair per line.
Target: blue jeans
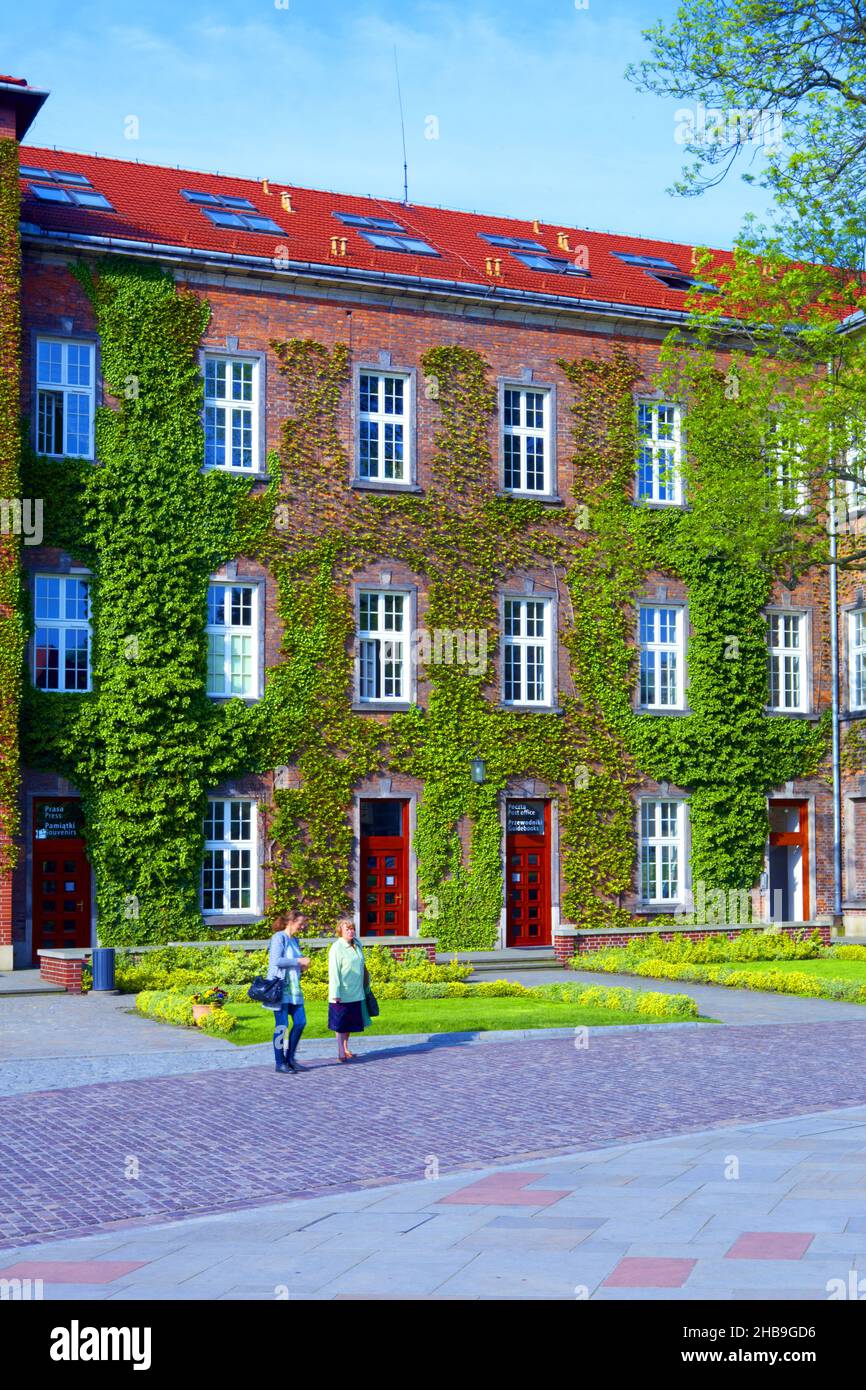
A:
x,y
281,1023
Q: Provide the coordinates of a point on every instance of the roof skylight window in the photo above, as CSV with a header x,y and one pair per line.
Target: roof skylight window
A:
x,y
404,242
62,186
681,281
555,264
217,200
381,224
232,214
28,171
650,262
512,243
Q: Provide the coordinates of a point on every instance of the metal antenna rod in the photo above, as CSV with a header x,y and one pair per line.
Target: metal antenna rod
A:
x,y
402,132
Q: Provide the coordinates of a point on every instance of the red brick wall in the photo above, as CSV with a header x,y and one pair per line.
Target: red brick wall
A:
x,y
62,972
5,902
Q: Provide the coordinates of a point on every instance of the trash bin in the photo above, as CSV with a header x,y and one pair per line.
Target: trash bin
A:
x,y
103,968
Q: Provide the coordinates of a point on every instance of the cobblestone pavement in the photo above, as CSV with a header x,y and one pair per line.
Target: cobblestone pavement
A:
x,y
74,1160
770,1210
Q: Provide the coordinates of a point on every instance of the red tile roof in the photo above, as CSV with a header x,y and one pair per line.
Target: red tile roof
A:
x,y
149,207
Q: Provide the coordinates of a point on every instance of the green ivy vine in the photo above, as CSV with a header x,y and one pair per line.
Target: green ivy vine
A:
x,y
147,745
11,625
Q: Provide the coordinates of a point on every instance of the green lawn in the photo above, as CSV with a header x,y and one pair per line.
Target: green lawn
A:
x,y
255,1024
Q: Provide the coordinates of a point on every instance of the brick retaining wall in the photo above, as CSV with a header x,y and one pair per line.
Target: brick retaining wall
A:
x,y
62,967
570,941
63,970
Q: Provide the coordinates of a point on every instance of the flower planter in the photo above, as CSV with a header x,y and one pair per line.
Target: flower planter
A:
x,y
200,1011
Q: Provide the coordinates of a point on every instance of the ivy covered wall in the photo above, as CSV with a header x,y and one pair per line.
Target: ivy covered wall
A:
x,y
147,746
11,624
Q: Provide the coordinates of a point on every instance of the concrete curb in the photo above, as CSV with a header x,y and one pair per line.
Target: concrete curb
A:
x,y
364,1045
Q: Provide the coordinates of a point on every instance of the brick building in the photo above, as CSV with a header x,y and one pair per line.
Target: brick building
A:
x,y
276,264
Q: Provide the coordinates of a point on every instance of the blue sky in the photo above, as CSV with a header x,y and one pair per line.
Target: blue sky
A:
x,y
534,115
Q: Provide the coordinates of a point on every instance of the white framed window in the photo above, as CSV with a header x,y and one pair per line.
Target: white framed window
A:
x,y
857,659
855,488
787,462
787,635
232,639
662,657
231,413
65,397
383,673
61,642
230,869
527,668
526,435
385,407
662,851
659,477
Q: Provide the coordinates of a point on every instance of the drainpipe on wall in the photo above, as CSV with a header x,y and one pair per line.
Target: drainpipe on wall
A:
x,y
834,666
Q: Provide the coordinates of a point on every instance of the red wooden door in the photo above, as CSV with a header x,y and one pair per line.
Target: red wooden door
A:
x,y
61,877
527,873
384,867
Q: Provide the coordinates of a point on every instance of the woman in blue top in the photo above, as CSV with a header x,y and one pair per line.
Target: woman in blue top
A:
x,y
284,958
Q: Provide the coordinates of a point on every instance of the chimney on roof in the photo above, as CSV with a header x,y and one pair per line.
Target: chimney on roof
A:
x,y
19,106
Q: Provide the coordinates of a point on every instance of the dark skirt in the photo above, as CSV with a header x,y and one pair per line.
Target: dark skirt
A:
x,y
346,1018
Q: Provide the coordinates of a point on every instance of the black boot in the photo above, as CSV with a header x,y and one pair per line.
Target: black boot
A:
x,y
281,1061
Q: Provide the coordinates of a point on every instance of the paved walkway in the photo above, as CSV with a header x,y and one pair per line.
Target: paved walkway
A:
x,y
48,1045
72,1160
773,1210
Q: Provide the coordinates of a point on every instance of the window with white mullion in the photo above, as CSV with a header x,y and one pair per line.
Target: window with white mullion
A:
x,y
228,883
232,638
61,639
661,657
855,487
787,642
662,829
787,462
857,659
382,673
230,413
526,652
65,397
526,440
660,453
383,427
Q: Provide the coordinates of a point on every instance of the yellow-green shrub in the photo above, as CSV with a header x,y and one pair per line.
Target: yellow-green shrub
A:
x,y
219,1022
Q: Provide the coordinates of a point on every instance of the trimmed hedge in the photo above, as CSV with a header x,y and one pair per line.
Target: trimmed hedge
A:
x,y
174,1006
626,962
177,967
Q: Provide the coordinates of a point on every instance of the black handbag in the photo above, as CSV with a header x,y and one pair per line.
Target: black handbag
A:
x,y
369,997
267,992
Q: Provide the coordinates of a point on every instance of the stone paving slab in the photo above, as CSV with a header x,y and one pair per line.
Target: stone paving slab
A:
x,y
169,1147
379,1243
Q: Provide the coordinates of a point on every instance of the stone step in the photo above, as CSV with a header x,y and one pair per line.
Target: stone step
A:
x,y
10,989
511,958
